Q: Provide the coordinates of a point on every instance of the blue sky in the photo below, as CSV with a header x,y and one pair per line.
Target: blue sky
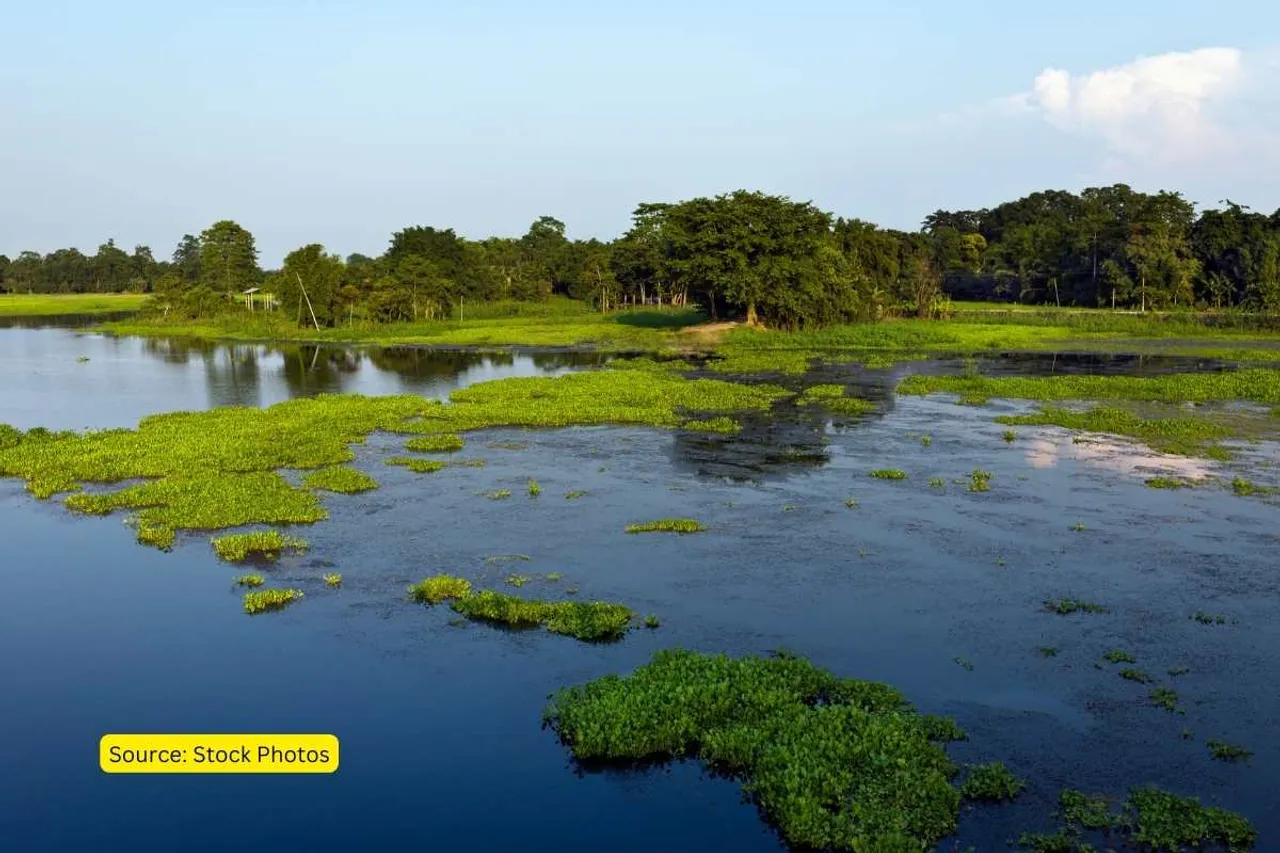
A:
x,y
341,122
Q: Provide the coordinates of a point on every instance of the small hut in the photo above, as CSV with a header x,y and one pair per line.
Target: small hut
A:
x,y
255,299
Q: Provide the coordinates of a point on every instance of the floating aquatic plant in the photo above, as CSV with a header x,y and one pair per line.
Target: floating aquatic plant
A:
x,y
834,763
1009,436
667,525
444,442
497,494
889,474
495,559
1119,656
965,663
250,580
851,503
717,425
1227,752
340,479
980,481
534,489
991,781
652,621
1078,527
926,440
333,579
517,580
1180,669
1130,674
270,544
160,536
1067,606
1208,618
552,576
937,483
262,600
574,495
1163,697
1047,651
589,621
417,465
440,588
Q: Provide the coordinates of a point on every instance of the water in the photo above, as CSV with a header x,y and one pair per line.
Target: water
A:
x,y
441,742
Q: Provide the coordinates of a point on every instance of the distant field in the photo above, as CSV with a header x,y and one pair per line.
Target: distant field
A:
x,y
45,304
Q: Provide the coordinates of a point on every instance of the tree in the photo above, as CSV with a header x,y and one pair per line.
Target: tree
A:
x,y
4,269
309,283
186,257
228,258
430,292
112,268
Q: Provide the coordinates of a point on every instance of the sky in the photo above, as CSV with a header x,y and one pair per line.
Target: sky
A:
x,y
342,122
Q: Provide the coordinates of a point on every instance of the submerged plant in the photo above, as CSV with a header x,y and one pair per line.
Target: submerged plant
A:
x,y
1180,669
965,663
1163,697
440,588
340,479
270,544
889,474
1047,651
333,579
834,763
667,525
1067,606
991,781
262,600
1227,752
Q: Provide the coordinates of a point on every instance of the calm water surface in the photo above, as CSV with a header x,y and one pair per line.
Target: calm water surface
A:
x,y
441,743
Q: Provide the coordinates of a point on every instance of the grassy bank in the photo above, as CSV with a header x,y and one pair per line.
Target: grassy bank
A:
x,y
49,304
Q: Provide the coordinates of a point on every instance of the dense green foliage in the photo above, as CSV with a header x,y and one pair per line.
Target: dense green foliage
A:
x,y
441,443
991,781
591,621
440,588
836,763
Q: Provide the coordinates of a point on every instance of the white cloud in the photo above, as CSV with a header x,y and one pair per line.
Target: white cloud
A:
x,y
1163,107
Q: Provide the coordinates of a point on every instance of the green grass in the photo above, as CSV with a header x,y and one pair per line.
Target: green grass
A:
x,y
594,621
667,525
889,474
333,579
1258,384
416,465
250,580
557,322
834,763
49,304
440,443
993,782
262,600
347,481
440,588
1222,751
269,544
1067,606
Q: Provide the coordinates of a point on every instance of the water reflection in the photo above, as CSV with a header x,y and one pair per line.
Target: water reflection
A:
x,y
1131,459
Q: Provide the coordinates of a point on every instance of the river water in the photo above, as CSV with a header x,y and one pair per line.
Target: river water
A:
x,y
442,746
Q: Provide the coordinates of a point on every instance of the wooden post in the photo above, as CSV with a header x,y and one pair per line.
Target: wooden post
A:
x,y
308,298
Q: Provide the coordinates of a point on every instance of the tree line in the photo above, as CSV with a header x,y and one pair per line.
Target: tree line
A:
x,y
771,259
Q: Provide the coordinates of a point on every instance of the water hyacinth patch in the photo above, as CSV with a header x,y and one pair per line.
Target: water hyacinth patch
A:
x,y
1119,656
980,481
534,489
667,525
1067,606
590,621
437,443
260,601
250,580
347,481
333,579
417,466
889,474
269,544
834,763
1222,751
991,782
440,588
723,425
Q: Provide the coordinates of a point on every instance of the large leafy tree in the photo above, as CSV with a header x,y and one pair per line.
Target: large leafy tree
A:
x,y
310,282
228,258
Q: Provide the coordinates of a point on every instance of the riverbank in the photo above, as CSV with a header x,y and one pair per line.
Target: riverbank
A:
x,y
687,331
53,304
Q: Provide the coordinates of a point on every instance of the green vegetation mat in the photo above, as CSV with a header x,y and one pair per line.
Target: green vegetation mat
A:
x,y
835,763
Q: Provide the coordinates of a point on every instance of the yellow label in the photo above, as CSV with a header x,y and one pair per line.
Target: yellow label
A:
x,y
218,753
